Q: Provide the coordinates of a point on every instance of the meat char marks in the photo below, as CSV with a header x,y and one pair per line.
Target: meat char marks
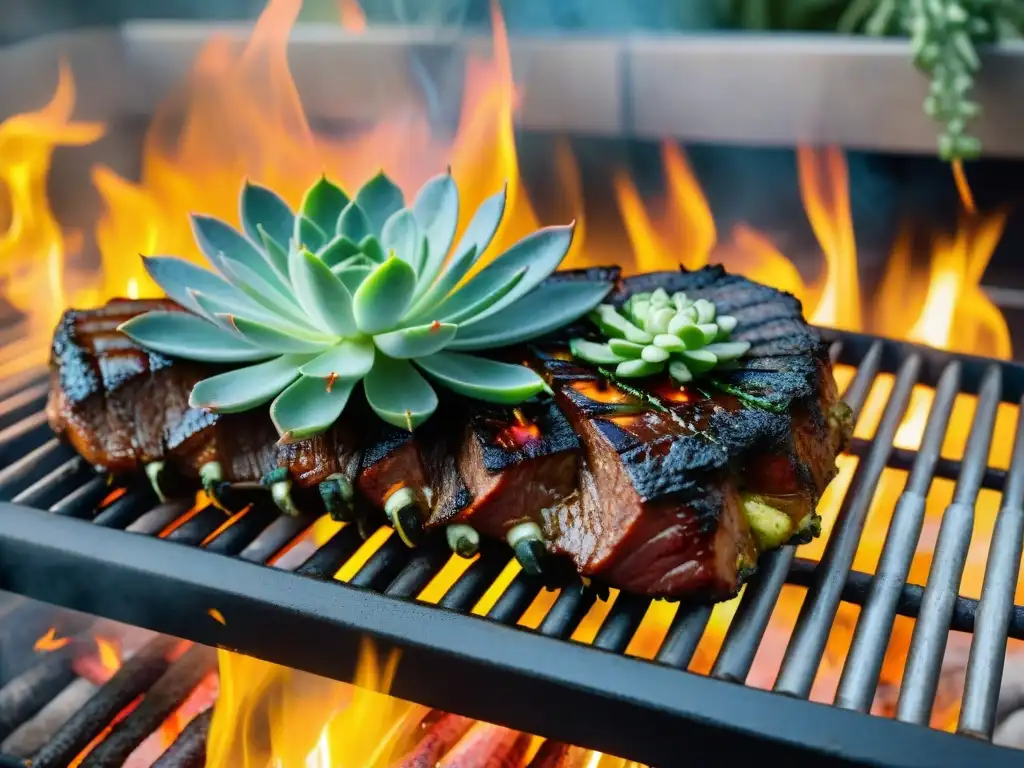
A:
x,y
124,410
683,487
643,486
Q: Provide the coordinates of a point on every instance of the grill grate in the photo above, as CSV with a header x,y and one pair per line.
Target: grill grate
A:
x,y
532,680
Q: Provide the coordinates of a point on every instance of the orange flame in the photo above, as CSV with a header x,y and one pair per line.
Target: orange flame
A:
x,y
33,248
109,654
50,641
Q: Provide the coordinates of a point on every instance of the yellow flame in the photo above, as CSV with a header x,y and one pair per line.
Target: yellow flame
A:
x,y
32,245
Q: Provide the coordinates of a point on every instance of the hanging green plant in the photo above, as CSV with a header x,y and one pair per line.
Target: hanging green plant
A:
x,y
362,289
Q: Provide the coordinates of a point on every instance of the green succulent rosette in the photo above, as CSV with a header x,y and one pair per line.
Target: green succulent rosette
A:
x,y
654,332
363,289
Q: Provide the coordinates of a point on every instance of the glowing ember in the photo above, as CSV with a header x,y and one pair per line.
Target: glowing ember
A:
x,y
50,641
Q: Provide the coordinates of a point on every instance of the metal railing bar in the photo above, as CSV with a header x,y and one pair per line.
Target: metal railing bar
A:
x,y
55,484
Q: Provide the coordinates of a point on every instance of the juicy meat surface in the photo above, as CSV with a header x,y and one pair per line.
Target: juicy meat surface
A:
x,y
640,483
514,462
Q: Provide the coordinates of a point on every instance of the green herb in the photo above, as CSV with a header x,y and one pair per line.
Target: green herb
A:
x,y
748,398
363,289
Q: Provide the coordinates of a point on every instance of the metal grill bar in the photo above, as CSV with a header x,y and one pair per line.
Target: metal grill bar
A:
x,y
539,682
818,611
748,626
924,660
985,664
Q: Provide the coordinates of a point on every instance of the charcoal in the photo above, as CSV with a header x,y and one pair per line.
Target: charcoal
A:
x,y
166,695
441,731
189,749
31,735
30,691
134,678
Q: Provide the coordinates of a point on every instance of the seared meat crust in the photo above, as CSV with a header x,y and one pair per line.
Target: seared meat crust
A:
x,y
640,484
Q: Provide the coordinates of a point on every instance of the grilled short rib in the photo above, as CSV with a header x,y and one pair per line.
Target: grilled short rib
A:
x,y
643,486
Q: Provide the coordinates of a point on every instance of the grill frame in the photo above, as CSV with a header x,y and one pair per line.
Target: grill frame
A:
x,y
522,679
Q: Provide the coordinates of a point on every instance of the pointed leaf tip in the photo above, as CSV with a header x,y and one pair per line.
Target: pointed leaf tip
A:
x,y
398,393
379,198
181,334
323,203
308,407
246,388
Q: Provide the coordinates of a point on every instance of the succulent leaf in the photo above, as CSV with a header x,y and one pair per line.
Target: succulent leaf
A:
x,y
309,406
179,334
539,254
215,308
276,253
353,223
277,341
177,276
370,247
380,198
338,250
384,296
548,307
262,208
417,341
246,388
308,234
401,235
324,297
436,209
457,269
260,291
218,241
592,352
351,359
482,379
353,277
323,203
484,224
398,394
475,297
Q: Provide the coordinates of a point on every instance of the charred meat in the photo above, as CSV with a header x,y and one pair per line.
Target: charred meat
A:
x,y
642,484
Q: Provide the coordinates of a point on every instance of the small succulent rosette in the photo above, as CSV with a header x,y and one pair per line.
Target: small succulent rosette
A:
x,y
654,332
